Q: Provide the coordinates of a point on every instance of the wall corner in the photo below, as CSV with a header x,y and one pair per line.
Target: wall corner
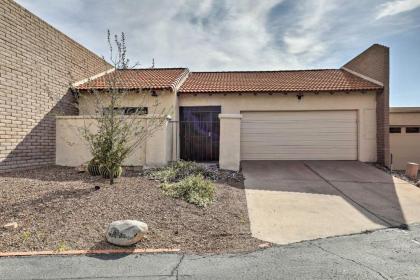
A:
x,y
374,64
230,141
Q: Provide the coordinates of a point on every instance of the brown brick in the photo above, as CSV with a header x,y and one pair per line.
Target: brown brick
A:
x,y
35,59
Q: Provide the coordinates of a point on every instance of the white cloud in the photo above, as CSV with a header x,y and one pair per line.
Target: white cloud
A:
x,y
396,7
221,34
306,36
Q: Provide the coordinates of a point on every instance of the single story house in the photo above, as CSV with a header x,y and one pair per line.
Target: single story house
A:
x,y
404,136
228,117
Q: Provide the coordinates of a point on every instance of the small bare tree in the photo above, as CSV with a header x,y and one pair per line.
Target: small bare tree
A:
x,y
119,132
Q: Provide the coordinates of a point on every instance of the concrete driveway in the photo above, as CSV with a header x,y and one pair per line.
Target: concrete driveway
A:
x,y
291,201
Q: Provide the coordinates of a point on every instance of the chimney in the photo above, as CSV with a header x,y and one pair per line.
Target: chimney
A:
x,y
373,65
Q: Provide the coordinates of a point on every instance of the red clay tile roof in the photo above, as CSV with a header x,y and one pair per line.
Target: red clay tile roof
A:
x,y
241,81
275,81
152,78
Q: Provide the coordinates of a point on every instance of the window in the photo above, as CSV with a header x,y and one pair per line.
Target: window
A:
x,y
135,110
412,130
130,110
395,130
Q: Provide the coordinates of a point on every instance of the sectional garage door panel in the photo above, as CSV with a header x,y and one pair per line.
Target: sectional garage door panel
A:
x,y
310,135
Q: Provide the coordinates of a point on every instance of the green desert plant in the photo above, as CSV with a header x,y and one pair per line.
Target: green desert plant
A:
x,y
193,189
118,133
106,174
93,167
26,235
177,171
62,246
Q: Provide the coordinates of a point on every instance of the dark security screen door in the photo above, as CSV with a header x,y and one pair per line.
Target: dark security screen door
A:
x,y
200,133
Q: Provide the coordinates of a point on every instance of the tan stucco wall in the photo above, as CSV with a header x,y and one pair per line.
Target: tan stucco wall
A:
x,y
73,150
404,147
230,137
166,102
363,103
400,118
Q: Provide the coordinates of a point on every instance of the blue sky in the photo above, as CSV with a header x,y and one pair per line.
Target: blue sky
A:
x,y
247,34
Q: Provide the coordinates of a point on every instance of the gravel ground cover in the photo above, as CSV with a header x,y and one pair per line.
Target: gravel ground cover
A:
x,y
58,208
400,174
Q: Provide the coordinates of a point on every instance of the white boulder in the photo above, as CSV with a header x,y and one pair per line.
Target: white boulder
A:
x,y
126,232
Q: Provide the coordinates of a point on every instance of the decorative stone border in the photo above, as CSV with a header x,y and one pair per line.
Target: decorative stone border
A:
x,y
88,252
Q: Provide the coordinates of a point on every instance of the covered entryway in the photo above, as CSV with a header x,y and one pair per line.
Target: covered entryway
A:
x,y
200,133
299,135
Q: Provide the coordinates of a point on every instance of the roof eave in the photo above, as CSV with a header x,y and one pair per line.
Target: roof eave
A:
x,y
127,89
282,91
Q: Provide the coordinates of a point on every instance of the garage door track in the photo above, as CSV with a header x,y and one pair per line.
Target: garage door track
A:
x,y
291,201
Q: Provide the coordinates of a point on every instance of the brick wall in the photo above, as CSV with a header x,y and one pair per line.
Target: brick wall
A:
x,y
374,63
37,63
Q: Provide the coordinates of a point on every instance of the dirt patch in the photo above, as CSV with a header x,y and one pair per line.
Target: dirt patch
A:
x,y
58,208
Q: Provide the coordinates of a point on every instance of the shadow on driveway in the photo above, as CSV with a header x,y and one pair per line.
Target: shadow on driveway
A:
x,y
312,199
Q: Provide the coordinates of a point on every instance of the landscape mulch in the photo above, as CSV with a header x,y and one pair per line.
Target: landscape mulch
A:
x,y
58,208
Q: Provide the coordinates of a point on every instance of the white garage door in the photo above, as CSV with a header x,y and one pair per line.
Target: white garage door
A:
x,y
310,135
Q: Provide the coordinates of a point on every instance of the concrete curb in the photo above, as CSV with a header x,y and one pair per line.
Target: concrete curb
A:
x,y
88,252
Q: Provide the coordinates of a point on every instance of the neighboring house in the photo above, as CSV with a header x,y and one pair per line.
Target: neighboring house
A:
x,y
404,136
37,63
328,114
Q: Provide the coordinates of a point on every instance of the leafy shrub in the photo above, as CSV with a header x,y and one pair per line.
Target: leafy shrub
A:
x,y
193,189
177,171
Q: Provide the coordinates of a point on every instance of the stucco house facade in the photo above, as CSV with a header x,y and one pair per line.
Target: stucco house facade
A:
x,y
404,136
228,117
224,117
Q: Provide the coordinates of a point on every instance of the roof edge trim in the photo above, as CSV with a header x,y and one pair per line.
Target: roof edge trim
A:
x,y
404,109
179,81
78,83
363,76
276,91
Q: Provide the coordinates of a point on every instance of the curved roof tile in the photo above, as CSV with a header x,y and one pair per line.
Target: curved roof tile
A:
x,y
275,81
152,78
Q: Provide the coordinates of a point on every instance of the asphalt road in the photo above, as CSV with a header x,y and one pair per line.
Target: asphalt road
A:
x,y
384,254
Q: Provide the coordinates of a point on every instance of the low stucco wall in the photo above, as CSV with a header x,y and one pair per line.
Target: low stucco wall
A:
x,y
405,147
363,103
73,150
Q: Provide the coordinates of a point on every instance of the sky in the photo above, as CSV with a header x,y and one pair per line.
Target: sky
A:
x,y
215,35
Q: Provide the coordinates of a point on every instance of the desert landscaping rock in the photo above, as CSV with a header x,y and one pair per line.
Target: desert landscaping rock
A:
x,y
126,233
82,168
13,225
